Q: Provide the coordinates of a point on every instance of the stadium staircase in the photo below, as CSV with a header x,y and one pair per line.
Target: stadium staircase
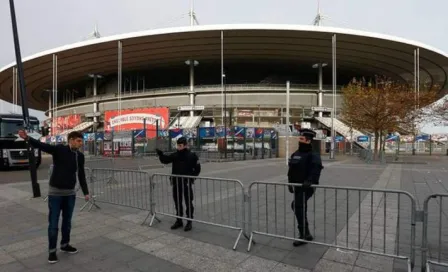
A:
x,y
186,122
81,127
343,129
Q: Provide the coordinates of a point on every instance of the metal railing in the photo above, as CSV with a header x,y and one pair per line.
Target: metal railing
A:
x,y
212,201
370,224
77,186
202,89
128,188
364,220
434,256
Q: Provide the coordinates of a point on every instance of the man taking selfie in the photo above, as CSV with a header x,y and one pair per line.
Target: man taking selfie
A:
x,y
68,166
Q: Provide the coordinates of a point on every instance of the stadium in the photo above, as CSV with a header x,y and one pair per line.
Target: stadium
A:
x,y
187,77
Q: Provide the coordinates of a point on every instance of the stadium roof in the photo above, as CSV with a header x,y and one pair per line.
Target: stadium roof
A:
x,y
367,52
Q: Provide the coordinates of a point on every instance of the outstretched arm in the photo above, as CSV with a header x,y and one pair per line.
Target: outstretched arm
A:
x,y
165,159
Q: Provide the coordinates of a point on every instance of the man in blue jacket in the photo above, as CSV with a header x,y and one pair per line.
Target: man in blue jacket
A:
x,y
68,166
305,167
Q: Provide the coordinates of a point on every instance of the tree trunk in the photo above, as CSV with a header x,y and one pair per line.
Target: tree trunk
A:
x,y
375,149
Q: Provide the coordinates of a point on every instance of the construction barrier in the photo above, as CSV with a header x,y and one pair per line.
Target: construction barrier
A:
x,y
212,201
433,254
357,219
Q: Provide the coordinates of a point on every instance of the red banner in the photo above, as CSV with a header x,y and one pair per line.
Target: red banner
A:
x,y
133,119
62,123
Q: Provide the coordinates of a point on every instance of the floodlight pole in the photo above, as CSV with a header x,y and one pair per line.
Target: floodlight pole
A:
x,y
25,112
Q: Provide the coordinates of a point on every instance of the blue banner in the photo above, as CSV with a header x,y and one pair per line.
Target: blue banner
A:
x,y
206,132
174,133
239,132
362,139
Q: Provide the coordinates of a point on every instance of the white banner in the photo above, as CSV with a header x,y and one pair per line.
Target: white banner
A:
x,y
136,118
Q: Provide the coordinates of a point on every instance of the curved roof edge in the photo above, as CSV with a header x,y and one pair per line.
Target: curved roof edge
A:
x,y
228,27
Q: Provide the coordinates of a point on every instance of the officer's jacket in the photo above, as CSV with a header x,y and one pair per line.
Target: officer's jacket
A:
x,y
304,166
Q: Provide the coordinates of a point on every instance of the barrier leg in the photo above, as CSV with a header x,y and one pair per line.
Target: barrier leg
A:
x,y
92,204
250,241
152,219
237,239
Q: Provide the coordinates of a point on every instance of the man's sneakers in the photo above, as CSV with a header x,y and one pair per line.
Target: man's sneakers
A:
x,y
69,249
301,243
53,258
179,224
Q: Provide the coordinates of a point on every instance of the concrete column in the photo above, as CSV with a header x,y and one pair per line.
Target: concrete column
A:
x,y
95,103
320,94
191,93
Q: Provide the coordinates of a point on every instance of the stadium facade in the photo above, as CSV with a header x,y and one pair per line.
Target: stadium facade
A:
x,y
174,75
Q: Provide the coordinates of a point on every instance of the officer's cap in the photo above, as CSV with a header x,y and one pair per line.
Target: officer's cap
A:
x,y
310,134
182,140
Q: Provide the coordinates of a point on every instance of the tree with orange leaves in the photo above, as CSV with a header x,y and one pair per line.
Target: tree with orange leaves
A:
x,y
383,106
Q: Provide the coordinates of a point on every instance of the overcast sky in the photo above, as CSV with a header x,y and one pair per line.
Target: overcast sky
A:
x,y
45,24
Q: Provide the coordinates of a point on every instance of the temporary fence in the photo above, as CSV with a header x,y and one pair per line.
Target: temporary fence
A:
x,y
128,188
433,254
77,186
364,220
356,219
212,201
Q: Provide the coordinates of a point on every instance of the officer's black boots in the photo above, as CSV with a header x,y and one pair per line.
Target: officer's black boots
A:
x,y
188,227
177,224
306,237
300,243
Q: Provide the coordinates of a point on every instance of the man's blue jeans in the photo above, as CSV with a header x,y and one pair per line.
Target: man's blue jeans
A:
x,y
56,204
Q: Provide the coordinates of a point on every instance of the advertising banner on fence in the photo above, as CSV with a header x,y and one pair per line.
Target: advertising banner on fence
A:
x,y
133,119
207,132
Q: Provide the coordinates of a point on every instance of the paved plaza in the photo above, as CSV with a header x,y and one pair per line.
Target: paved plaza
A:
x,y
113,239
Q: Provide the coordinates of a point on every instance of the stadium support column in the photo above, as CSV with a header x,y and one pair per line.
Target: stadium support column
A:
x,y
287,123
319,95
191,93
95,92
222,78
54,99
320,67
333,113
120,78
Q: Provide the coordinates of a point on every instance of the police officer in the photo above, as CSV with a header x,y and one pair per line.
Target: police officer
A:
x,y
304,168
184,163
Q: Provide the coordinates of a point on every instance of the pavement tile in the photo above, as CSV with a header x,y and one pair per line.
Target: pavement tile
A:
x,y
258,264
327,266
5,258
12,267
150,246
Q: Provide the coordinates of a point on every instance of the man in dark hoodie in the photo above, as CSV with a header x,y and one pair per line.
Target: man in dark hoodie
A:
x,y
68,166
184,163
304,168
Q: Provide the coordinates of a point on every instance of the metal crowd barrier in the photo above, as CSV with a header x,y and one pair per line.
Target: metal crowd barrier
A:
x,y
128,188
433,255
372,218
77,188
217,202
103,163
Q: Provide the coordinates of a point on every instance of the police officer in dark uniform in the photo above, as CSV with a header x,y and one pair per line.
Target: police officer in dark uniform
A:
x,y
184,163
304,168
